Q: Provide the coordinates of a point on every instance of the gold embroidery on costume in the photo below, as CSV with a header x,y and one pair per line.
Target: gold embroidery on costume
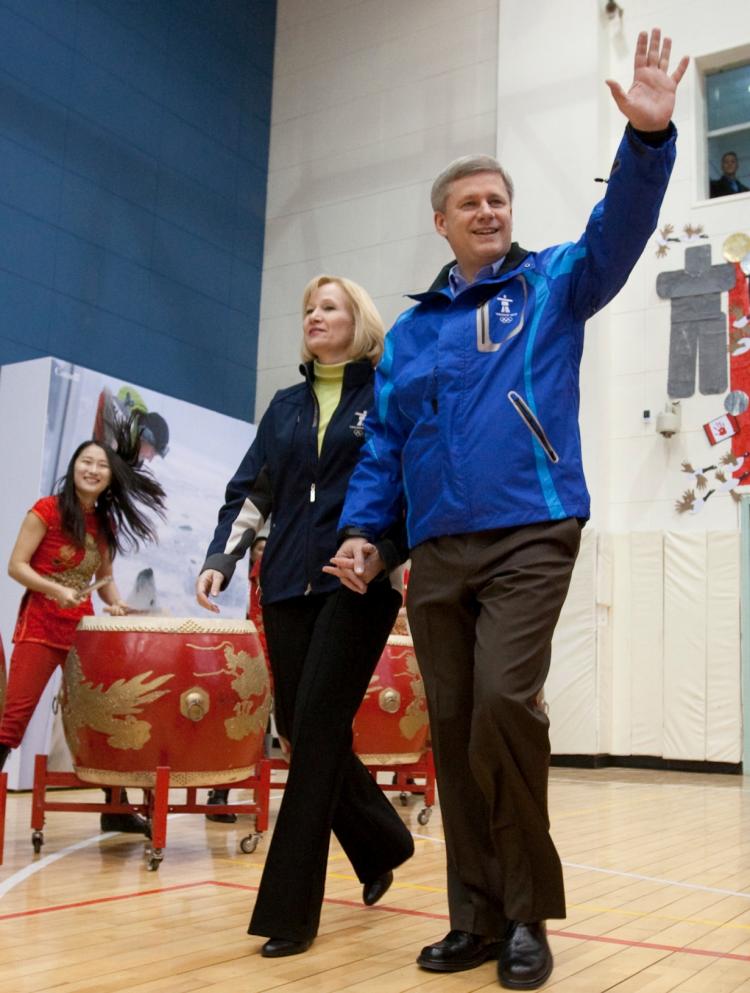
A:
x,y
111,711
79,576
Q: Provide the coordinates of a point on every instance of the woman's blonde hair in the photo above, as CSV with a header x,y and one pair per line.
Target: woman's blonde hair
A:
x,y
369,331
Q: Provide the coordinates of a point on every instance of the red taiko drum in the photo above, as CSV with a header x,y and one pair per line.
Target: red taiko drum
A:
x,y
391,725
141,692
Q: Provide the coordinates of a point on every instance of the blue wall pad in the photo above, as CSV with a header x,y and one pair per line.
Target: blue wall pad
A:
x,y
133,164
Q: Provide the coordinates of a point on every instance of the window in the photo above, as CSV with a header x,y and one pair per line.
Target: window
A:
x,y
728,130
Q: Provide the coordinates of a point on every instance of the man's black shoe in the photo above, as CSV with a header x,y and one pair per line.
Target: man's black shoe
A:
x,y
526,960
275,948
457,951
372,892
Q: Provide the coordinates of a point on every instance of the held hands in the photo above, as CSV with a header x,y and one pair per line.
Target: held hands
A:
x,y
356,563
208,585
649,102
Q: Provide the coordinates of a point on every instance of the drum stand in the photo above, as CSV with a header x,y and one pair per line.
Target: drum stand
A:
x,y
155,807
404,781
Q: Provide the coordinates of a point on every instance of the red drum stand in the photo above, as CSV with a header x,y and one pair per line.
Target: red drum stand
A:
x,y
155,806
412,778
160,703
391,727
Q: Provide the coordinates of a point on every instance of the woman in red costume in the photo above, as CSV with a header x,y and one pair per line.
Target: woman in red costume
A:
x,y
65,547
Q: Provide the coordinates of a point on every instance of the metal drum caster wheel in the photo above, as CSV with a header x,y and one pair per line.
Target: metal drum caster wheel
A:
x,y
249,843
424,815
37,840
154,857
404,798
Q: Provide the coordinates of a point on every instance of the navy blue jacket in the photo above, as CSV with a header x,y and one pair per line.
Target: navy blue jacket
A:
x,y
282,476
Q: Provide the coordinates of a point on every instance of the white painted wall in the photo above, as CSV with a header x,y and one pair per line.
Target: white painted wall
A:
x,y
639,650
644,469
371,99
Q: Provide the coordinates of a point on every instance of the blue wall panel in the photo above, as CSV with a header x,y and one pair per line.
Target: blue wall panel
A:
x,y
133,163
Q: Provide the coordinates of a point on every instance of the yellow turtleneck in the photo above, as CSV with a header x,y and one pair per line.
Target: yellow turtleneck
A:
x,y
327,385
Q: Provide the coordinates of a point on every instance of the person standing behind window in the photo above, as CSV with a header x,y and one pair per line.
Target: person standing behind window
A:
x,y
728,184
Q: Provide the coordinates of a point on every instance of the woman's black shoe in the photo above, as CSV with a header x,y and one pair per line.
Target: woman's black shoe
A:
x,y
220,797
372,892
275,948
123,823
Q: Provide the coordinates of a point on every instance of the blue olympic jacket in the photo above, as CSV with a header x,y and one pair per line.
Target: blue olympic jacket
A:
x,y
476,398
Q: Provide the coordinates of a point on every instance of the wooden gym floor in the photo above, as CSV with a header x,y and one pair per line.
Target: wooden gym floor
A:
x,y
658,880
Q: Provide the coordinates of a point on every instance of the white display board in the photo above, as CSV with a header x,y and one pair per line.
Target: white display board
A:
x,y
47,407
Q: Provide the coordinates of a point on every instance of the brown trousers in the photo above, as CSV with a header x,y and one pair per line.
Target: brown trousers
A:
x,y
483,609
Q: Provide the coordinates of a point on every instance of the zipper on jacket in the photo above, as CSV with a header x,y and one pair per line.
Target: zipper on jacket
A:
x,y
528,417
314,462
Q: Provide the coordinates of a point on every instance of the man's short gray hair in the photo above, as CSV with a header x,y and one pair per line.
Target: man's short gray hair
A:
x,y
467,165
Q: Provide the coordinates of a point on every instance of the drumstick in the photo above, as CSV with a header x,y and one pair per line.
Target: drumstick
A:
x,y
97,585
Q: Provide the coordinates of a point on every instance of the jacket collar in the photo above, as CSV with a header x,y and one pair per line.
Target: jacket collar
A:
x,y
355,373
513,259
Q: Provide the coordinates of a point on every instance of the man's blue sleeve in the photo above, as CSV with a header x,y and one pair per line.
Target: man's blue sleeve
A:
x,y
374,499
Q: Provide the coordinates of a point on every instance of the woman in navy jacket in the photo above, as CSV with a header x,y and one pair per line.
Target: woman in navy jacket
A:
x,y
323,640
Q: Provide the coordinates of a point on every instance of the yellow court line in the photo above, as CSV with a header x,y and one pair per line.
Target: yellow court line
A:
x,y
341,856
595,908
394,885
646,914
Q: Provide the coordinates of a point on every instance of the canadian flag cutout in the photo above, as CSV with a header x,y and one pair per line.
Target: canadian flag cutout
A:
x,y
721,428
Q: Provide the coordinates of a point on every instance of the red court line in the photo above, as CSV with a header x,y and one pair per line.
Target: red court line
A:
x,y
103,899
560,934
652,944
578,936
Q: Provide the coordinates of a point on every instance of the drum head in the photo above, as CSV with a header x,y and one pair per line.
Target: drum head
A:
x,y
177,625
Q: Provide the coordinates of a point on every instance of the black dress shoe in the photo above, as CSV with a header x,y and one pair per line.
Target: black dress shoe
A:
x,y
526,960
220,797
372,892
457,951
125,824
275,948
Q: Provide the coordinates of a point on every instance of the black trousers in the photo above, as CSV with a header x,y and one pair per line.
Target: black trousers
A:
x,y
483,609
323,651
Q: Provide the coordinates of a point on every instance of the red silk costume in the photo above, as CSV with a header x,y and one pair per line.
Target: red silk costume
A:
x,y
44,631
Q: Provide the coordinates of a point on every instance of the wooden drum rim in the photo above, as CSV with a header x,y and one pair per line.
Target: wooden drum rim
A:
x,y
400,640
167,625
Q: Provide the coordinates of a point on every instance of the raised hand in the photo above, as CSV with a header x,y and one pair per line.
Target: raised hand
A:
x,y
649,102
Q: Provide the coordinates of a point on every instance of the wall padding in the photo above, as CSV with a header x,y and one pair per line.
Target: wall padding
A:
x,y
646,657
571,685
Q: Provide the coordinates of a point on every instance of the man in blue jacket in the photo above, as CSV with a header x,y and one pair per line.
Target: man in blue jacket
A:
x,y
477,427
